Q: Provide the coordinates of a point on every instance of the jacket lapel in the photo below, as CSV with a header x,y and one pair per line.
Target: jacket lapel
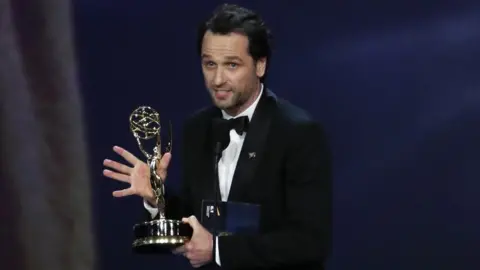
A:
x,y
253,146
205,161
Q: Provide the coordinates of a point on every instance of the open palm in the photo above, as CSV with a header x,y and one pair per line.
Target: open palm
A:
x,y
137,174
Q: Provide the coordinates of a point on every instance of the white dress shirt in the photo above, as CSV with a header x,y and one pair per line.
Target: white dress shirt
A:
x,y
226,164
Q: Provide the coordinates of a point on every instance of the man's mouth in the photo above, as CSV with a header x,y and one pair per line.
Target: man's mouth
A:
x,y
222,94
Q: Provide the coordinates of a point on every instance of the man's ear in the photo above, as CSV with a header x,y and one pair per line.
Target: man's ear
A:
x,y
261,66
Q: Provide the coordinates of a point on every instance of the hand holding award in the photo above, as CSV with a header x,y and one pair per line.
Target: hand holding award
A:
x,y
146,179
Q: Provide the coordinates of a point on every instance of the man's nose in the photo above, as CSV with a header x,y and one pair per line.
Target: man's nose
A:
x,y
219,78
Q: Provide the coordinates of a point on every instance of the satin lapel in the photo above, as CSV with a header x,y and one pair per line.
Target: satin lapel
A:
x,y
205,160
253,146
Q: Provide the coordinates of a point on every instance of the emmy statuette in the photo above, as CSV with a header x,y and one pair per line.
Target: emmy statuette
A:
x,y
160,234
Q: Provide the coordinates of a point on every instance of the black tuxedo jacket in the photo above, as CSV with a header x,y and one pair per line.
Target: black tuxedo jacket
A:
x,y
289,178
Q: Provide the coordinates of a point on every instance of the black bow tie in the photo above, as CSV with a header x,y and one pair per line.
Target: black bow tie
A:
x,y
240,124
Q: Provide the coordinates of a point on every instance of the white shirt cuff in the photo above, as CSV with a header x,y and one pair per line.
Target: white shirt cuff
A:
x,y
152,210
217,253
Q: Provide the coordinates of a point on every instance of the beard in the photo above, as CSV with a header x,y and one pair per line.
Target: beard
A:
x,y
232,99
228,99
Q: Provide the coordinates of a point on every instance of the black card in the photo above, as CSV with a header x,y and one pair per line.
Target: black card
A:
x,y
231,217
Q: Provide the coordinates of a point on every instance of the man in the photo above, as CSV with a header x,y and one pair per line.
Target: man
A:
x,y
281,162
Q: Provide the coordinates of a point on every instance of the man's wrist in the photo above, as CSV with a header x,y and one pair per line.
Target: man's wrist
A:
x,y
152,202
152,210
150,199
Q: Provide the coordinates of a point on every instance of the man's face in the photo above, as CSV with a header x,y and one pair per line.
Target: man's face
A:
x,y
231,75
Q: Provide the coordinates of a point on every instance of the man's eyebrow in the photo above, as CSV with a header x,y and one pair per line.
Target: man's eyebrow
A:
x,y
234,58
228,58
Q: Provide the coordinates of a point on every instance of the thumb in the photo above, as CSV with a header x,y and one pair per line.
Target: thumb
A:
x,y
163,165
192,221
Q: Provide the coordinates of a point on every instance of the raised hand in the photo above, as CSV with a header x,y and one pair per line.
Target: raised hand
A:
x,y
137,174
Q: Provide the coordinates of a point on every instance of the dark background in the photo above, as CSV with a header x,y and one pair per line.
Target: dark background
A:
x,y
395,83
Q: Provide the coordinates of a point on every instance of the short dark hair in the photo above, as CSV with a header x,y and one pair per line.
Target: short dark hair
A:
x,y
230,18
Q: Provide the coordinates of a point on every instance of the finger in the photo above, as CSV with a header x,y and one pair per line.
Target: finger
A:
x,y
126,155
192,221
189,247
117,166
165,161
163,165
196,264
191,256
179,250
123,192
117,176
195,261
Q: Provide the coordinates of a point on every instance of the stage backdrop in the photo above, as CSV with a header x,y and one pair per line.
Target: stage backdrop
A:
x,y
395,83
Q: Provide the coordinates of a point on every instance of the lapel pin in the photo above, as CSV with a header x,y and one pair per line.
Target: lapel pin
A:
x,y
252,155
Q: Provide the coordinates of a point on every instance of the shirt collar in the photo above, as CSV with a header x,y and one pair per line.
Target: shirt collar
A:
x,y
249,111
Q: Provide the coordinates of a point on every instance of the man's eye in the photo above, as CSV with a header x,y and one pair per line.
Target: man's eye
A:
x,y
232,65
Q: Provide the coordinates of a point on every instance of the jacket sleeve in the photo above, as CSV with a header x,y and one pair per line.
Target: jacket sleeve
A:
x,y
305,235
180,205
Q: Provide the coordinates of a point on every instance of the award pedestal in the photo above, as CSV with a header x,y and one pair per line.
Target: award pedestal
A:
x,y
160,236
